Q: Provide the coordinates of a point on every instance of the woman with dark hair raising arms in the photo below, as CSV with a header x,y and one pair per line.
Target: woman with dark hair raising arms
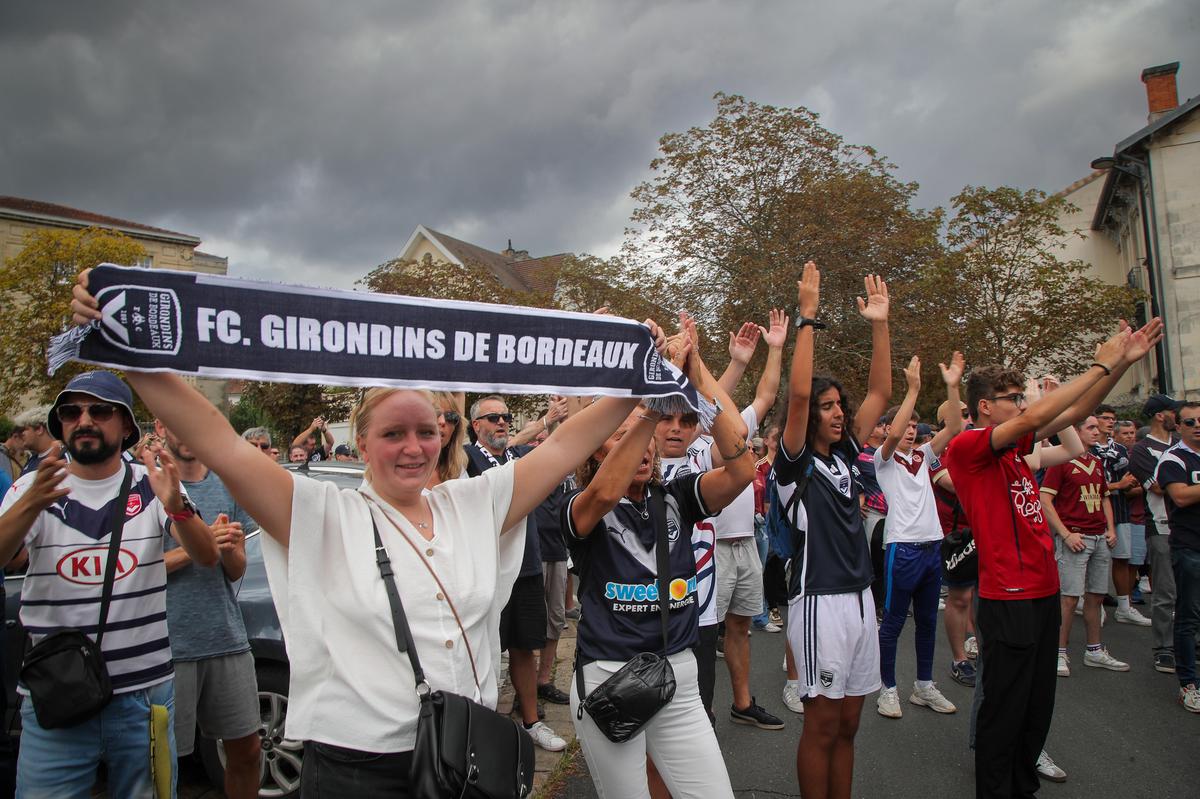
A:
x,y
831,617
611,525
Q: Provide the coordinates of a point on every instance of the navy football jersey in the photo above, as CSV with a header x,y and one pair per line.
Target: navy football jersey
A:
x,y
618,570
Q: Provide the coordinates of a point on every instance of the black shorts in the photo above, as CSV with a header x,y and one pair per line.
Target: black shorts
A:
x,y
523,620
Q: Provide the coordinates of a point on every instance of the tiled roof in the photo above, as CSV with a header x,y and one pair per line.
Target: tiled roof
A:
x,y
538,273
467,252
45,209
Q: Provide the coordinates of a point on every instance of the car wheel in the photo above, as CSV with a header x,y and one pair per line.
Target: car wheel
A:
x,y
281,757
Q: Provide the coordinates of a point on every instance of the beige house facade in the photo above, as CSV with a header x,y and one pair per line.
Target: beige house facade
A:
x,y
1140,213
165,249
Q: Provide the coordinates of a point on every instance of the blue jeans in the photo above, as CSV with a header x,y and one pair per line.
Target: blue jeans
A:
x,y
62,762
1186,565
763,543
913,574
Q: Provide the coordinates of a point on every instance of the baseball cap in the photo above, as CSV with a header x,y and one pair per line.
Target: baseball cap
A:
x,y
924,430
341,449
103,386
1157,403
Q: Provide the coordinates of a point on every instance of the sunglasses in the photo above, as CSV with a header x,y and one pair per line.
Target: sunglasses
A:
x,y
1190,421
71,412
264,446
494,418
451,417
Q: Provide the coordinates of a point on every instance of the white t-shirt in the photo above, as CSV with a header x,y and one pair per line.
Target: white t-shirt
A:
x,y
736,520
350,685
912,509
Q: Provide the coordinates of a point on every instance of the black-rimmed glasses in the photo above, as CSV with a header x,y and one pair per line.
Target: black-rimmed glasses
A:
x,y
1016,398
494,418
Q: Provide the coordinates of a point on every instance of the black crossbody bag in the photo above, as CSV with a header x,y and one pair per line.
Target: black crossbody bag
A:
x,y
463,749
623,704
959,557
65,673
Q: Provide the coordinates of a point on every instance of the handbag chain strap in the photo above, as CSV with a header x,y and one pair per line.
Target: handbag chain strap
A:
x,y
662,551
403,633
116,524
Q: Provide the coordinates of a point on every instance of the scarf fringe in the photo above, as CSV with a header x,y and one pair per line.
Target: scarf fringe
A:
x,y
65,346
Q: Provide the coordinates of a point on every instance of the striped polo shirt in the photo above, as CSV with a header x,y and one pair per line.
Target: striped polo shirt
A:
x,y
68,550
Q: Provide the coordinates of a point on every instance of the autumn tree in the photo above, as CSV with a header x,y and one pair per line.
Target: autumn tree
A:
x,y
287,409
1004,293
35,290
735,208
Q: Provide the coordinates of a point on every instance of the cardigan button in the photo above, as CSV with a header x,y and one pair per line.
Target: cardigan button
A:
x,y
439,596
429,552
449,644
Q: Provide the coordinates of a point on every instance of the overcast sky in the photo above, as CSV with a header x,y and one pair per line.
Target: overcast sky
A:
x,y
305,139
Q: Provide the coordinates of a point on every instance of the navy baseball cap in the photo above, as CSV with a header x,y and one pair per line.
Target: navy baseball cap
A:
x,y
103,386
1157,403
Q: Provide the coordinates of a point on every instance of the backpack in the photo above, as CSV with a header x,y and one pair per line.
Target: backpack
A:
x,y
779,528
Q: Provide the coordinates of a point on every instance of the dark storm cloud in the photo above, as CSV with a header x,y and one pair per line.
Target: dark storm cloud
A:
x,y
306,139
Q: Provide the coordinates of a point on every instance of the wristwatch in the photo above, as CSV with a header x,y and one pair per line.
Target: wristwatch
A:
x,y
189,510
807,321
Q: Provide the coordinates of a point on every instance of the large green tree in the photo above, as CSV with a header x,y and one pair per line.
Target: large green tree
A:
x,y
35,292
1003,293
736,207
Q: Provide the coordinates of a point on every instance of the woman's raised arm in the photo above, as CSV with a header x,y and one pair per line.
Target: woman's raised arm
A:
x,y
256,482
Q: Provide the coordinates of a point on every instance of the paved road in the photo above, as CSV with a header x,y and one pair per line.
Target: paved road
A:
x,y
1116,734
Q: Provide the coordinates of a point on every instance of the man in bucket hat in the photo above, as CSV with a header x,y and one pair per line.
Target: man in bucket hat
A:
x,y
61,513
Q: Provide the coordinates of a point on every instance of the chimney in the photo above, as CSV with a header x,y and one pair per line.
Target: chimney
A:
x,y
1161,95
515,255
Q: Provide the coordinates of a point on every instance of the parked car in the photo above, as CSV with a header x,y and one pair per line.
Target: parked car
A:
x,y
282,757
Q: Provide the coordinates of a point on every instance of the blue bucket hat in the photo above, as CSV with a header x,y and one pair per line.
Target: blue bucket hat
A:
x,y
103,386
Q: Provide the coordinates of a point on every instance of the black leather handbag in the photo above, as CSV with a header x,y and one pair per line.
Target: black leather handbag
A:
x,y
463,749
623,704
65,672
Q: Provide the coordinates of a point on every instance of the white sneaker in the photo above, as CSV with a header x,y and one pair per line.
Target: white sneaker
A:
x,y
1064,665
1131,616
1049,769
1103,660
546,738
971,647
888,703
793,699
1144,584
1189,697
931,698
770,627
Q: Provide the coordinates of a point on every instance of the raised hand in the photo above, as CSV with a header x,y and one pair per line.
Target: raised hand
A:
x,y
164,477
1110,353
808,290
875,307
1033,390
1143,340
912,374
47,482
660,338
952,374
743,343
776,334
557,410
1049,383
84,308
693,365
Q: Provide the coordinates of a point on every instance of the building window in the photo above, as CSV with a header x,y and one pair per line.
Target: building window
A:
x,y
146,262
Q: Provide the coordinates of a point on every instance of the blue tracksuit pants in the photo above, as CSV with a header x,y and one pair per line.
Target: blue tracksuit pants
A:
x,y
912,573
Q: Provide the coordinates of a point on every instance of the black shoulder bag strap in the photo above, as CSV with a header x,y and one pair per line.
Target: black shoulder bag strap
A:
x,y
662,553
116,524
399,623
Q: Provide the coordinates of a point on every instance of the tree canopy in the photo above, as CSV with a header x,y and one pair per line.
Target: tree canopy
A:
x,y
35,293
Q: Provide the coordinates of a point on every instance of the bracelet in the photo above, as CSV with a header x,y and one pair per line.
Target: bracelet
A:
x,y
741,451
1107,371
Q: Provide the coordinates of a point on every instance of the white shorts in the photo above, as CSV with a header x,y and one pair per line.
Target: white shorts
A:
x,y
836,644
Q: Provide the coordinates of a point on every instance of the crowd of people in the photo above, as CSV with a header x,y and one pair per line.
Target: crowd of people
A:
x,y
1010,512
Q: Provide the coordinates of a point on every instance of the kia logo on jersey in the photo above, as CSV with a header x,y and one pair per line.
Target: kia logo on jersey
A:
x,y
133,505
86,566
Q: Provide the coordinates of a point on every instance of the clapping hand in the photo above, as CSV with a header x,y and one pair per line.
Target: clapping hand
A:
x,y
776,334
875,307
952,374
743,343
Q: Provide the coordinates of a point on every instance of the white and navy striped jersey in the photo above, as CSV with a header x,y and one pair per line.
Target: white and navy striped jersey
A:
x,y
68,550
